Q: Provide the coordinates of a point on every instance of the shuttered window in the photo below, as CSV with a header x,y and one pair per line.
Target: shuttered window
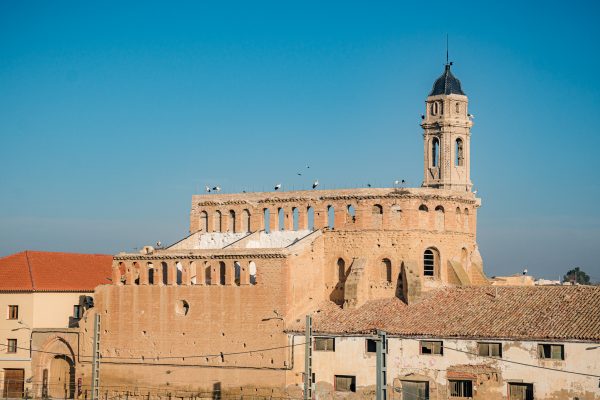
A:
x,y
324,344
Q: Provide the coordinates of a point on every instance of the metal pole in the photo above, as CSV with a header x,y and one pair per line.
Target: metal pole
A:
x,y
96,360
381,347
308,360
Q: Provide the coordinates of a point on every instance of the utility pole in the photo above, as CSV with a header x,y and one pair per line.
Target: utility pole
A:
x,y
381,348
308,376
96,359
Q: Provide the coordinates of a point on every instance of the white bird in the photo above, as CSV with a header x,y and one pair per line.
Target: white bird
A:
x,y
217,188
471,116
278,186
396,182
158,244
207,189
315,184
525,271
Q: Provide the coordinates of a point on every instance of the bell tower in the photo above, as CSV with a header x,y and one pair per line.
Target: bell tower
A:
x,y
446,135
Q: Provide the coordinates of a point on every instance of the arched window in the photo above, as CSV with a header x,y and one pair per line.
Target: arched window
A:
x,y
458,152
464,256
267,220
204,221
330,217
231,227
178,273
193,273
295,218
434,108
341,265
222,272
252,272
310,217
351,213
386,270
435,152
237,270
150,268
377,215
439,218
423,208
217,221
430,262
165,272
245,221
280,219
457,108
466,220
207,273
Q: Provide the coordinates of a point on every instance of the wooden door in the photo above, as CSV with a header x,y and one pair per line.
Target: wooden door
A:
x,y
61,379
14,383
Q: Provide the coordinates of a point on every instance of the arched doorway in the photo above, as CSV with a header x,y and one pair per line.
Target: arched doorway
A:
x,y
61,377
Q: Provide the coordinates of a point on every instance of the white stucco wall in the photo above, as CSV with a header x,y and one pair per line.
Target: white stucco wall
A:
x,y
519,363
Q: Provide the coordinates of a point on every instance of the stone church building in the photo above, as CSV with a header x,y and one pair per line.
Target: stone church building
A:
x,y
222,311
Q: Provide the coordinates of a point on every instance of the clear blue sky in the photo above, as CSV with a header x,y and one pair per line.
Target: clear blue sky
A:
x,y
113,114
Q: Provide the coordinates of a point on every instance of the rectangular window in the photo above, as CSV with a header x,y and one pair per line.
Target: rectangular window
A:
x,y
461,389
13,312
520,391
345,383
490,349
77,311
371,346
415,390
551,351
324,344
12,346
432,347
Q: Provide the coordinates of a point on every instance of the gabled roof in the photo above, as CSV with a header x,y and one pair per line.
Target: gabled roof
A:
x,y
526,313
41,271
446,84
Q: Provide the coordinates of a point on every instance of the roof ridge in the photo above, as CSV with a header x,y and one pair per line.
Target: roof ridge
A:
x,y
30,272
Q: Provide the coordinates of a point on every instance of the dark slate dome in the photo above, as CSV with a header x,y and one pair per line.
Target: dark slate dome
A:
x,y
446,84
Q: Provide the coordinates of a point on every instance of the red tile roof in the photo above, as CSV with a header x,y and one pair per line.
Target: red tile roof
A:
x,y
534,313
40,271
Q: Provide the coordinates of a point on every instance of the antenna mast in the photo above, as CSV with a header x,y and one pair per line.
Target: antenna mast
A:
x,y
446,49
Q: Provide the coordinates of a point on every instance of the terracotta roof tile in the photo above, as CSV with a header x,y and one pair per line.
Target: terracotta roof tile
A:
x,y
539,312
49,271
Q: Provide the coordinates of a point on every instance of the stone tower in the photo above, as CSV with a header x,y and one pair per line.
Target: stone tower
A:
x,y
446,135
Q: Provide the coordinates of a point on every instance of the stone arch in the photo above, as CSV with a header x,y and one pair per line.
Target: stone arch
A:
x,y
245,220
459,157
218,221
267,220
231,224
56,362
295,218
310,217
466,220
423,217
386,270
440,218
237,273
150,272
341,269
252,272
281,219
377,216
351,218
435,152
222,273
330,216
204,221
165,272
178,273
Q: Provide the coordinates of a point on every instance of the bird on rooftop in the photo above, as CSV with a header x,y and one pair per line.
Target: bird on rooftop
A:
x,y
207,189
368,185
278,186
217,188
315,184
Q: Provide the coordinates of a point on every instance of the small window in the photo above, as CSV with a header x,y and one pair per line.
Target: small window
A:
x,y
460,389
490,349
12,346
345,383
551,351
432,347
428,263
77,311
520,391
371,346
324,344
13,312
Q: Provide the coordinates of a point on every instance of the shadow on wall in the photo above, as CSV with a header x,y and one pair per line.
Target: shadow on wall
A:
x,y
342,271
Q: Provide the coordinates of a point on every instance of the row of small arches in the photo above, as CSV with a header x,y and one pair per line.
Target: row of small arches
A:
x,y
307,221
384,273
187,273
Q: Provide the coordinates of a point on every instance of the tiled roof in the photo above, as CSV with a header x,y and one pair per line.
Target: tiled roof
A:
x,y
42,271
535,313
